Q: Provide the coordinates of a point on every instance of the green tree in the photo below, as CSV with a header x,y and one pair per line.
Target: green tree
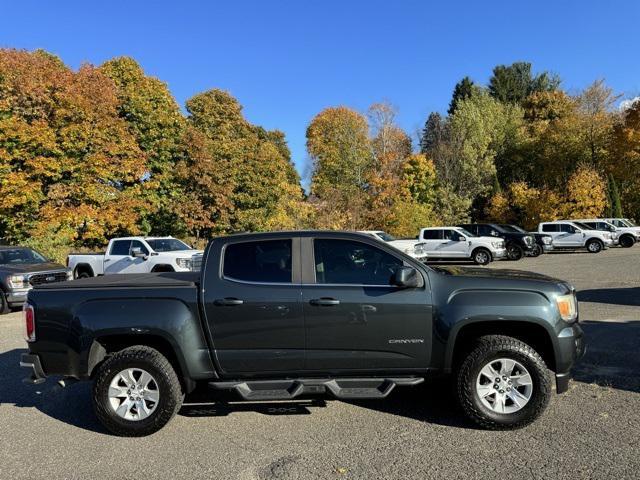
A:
x,y
154,118
513,83
615,205
433,133
465,88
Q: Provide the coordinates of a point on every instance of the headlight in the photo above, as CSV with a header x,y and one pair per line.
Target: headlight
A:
x,y
19,281
546,240
69,275
184,263
418,249
567,306
528,240
607,235
497,244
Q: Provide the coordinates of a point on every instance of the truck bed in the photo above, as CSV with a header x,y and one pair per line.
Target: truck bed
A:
x,y
164,279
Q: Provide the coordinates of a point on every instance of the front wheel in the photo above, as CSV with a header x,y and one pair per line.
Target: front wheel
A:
x,y
503,383
627,241
594,246
536,251
481,256
136,392
514,252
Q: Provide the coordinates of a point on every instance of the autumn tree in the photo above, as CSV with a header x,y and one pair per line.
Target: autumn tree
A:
x,y
339,146
155,119
586,194
624,162
69,165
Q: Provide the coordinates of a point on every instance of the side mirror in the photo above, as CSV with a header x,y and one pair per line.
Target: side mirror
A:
x,y
406,277
462,239
137,252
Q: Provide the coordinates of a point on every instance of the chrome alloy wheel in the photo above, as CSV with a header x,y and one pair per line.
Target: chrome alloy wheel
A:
x,y
504,385
133,394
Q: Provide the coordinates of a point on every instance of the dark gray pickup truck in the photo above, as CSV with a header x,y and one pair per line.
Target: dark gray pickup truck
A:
x,y
279,315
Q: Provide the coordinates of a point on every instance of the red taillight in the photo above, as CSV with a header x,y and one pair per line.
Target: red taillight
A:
x,y
29,323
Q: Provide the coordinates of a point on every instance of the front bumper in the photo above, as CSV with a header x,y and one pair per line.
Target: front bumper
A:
x,y
571,348
608,242
547,247
32,361
499,253
17,297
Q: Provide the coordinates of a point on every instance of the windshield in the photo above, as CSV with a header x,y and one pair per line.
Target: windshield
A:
x,y
512,228
628,223
20,256
385,236
465,232
167,245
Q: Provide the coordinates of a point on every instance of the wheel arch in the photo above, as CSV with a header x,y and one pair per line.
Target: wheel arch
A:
x,y
162,267
83,267
536,334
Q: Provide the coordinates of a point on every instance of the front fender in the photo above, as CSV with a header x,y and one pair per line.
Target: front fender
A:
x,y
466,307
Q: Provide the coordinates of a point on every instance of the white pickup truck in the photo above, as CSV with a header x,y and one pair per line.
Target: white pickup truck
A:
x,y
136,255
412,247
456,243
571,235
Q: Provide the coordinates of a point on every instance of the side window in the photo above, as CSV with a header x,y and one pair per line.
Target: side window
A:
x,y
550,227
432,235
140,245
264,261
566,228
451,235
120,247
484,231
351,262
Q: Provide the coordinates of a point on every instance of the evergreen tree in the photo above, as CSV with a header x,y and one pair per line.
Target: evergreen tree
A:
x,y
463,89
615,205
432,133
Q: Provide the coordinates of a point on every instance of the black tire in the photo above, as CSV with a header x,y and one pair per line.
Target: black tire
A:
x,y
83,274
594,246
627,241
4,305
536,251
481,256
514,252
494,347
162,269
168,385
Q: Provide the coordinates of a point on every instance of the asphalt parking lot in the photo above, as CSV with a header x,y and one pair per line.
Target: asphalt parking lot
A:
x,y
592,431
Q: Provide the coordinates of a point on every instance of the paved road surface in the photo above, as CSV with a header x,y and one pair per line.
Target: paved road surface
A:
x,y
593,431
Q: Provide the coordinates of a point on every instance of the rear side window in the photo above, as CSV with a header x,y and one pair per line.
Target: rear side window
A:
x,y
432,235
264,261
120,247
351,262
550,227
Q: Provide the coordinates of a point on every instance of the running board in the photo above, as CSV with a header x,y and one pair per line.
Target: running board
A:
x,y
342,388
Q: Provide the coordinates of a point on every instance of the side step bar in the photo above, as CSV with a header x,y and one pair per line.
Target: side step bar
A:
x,y
343,388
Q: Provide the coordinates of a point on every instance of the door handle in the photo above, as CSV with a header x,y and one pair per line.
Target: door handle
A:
x,y
228,302
324,302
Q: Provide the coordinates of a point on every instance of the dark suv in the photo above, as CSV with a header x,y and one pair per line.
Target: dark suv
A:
x,y
517,244
21,268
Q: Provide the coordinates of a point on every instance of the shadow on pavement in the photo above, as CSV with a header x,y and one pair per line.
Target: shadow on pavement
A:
x,y
617,296
612,360
70,405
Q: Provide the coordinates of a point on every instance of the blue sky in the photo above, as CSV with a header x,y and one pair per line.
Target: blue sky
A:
x,y
287,60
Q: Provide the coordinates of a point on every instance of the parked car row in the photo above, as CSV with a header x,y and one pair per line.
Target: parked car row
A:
x,y
483,243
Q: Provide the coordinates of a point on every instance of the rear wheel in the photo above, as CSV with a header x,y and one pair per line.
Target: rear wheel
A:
x,y
136,392
627,241
594,246
481,256
514,252
503,383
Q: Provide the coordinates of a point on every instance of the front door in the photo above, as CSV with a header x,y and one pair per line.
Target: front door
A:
x,y
253,307
569,236
355,319
454,245
117,259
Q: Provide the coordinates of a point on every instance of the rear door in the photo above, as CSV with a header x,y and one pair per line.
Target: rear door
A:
x,y
253,305
433,240
355,319
117,259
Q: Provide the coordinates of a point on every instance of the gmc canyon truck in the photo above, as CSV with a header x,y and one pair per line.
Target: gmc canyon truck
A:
x,y
279,315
